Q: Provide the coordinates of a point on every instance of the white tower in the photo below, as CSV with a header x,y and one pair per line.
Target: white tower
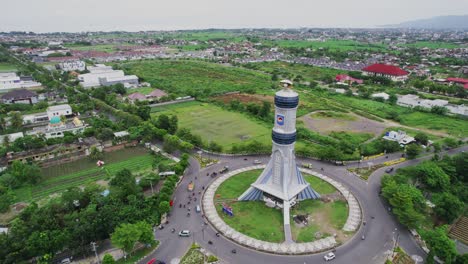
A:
x,y
281,183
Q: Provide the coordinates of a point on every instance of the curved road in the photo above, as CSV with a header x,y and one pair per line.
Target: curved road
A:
x,y
381,228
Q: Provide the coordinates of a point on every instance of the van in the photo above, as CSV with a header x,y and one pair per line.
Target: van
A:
x,y
197,209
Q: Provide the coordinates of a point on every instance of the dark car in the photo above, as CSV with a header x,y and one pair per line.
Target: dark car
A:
x,y
389,170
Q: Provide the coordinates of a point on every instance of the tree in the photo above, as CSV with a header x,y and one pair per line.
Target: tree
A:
x,y
447,206
146,232
125,236
437,147
412,151
450,142
16,120
163,122
392,99
440,244
440,110
164,207
144,112
95,153
6,141
172,125
265,110
108,259
171,143
422,138
2,123
433,176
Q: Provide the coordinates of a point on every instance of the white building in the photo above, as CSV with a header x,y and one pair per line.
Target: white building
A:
x,y
458,109
72,66
12,137
401,137
10,80
385,96
57,128
102,75
59,110
411,100
35,118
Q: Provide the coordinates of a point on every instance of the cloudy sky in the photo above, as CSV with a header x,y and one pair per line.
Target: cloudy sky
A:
x,y
135,15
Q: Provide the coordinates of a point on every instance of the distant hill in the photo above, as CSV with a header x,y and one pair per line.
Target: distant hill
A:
x,y
440,22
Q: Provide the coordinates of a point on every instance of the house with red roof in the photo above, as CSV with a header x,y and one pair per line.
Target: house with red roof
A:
x,y
460,81
136,97
156,94
347,79
385,70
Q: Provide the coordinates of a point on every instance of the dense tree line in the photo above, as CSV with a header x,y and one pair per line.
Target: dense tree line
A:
x,y
444,182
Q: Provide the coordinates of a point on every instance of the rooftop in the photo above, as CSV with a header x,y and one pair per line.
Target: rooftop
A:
x,y
385,69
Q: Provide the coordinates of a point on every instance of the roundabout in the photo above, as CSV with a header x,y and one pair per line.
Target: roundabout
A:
x,y
287,248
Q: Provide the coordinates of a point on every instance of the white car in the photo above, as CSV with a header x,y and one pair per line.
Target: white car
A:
x,y
184,233
257,162
329,256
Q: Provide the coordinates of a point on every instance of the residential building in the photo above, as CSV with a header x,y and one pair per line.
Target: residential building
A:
x,y
156,94
57,128
35,118
401,137
385,96
59,110
384,70
347,79
11,137
21,96
72,66
136,97
102,75
10,81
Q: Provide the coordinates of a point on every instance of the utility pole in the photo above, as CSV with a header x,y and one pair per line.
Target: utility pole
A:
x,y
94,248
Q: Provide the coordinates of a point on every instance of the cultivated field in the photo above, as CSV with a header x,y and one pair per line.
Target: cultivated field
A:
x,y
339,45
189,77
77,173
213,123
326,122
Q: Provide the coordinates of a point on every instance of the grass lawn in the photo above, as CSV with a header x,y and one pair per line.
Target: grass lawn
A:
x,y
259,221
326,218
191,77
213,123
143,90
101,47
319,185
59,178
193,256
341,45
7,67
432,45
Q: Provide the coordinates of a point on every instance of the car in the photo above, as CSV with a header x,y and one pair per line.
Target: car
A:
x,y
154,261
329,256
197,209
184,233
65,261
389,170
257,162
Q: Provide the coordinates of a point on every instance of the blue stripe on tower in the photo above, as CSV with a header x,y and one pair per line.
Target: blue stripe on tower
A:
x,y
283,139
286,102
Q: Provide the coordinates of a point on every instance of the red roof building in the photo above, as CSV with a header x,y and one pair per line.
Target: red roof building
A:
x,y
458,80
466,86
389,71
347,79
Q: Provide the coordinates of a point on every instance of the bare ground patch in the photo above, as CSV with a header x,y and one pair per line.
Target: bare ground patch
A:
x,y
355,123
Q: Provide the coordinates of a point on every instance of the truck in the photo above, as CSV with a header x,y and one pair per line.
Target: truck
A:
x,y
190,186
224,170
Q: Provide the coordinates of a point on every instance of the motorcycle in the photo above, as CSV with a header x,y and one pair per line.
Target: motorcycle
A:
x,y
172,230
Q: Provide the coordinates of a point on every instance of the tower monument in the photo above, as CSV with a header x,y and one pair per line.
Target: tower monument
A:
x,y
281,183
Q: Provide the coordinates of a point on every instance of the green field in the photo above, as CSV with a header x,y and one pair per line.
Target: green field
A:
x,y
432,45
101,47
59,178
319,185
213,123
143,90
259,221
341,45
7,67
335,212
197,78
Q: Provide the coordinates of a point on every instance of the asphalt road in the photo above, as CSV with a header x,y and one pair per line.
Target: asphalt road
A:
x,y
381,230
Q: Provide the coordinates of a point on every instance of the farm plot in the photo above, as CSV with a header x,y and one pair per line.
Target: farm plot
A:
x,y
81,172
213,123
